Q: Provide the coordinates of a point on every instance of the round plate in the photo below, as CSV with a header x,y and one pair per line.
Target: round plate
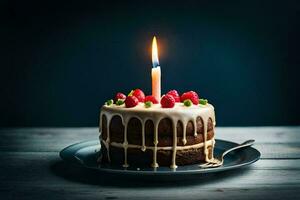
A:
x,y
86,154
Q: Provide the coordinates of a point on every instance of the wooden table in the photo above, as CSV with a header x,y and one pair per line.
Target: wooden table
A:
x,y
32,169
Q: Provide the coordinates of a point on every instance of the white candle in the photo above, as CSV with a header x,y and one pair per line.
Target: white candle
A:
x,y
155,73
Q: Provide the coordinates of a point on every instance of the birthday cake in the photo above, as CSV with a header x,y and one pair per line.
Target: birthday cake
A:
x,y
141,131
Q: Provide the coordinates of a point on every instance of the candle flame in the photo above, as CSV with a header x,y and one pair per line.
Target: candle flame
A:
x,y
155,62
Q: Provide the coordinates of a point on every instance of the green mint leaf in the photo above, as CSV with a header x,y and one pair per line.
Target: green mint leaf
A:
x,y
130,93
203,101
120,102
187,102
109,102
148,104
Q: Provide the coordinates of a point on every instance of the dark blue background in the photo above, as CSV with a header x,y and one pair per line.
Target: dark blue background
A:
x,y
64,59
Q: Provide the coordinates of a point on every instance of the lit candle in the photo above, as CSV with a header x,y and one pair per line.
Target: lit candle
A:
x,y
155,73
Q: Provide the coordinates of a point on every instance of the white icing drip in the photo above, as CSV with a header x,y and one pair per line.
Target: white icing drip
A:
x,y
143,147
125,146
173,165
167,148
108,119
205,149
183,123
195,126
156,114
155,142
213,146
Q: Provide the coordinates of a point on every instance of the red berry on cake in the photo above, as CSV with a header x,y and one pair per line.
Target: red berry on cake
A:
x,y
152,99
131,101
175,94
191,95
167,101
139,94
120,96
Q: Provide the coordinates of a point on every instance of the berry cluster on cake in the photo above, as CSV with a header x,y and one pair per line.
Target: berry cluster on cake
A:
x,y
140,131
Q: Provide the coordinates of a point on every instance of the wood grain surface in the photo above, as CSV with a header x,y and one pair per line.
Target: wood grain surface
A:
x,y
31,169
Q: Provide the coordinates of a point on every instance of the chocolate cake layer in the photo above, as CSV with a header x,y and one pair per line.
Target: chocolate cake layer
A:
x,y
165,131
138,158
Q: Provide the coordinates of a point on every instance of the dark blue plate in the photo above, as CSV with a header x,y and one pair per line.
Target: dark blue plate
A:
x,y
86,154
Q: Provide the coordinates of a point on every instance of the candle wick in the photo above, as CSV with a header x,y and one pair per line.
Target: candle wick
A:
x,y
155,64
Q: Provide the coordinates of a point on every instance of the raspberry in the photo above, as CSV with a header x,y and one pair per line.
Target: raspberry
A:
x,y
131,101
139,94
151,98
167,101
120,95
193,96
175,94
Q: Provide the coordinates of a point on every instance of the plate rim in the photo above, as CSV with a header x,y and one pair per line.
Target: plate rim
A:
x,y
76,161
